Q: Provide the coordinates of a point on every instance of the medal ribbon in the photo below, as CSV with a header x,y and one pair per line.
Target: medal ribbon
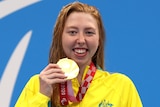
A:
x,y
63,93
67,87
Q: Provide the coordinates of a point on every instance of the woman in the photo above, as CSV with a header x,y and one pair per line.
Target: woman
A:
x,y
79,35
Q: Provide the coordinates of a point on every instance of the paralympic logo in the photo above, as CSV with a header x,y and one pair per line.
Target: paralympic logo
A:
x,y
9,7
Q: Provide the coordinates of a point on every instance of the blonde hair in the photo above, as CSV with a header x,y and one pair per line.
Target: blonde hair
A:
x,y
56,50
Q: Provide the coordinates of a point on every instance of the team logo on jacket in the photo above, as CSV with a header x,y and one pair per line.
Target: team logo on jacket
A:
x,y
105,103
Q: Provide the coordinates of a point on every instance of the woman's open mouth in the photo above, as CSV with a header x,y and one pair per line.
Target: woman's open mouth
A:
x,y
80,52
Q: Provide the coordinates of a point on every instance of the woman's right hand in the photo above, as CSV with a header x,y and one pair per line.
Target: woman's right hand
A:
x,y
49,76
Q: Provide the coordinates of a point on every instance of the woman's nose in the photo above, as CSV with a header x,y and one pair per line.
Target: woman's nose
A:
x,y
81,38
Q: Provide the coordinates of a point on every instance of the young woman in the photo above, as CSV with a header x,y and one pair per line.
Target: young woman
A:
x,y
79,35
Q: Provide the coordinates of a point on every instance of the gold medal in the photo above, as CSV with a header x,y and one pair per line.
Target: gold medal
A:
x,y
69,67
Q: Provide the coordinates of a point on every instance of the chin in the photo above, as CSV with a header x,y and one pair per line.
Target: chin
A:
x,y
82,62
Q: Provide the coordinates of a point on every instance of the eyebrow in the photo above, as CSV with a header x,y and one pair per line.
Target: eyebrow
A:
x,y
74,27
71,27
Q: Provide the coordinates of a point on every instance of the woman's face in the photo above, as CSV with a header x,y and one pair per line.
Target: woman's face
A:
x,y
80,37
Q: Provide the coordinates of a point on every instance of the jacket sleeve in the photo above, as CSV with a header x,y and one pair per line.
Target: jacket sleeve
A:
x,y
30,96
134,99
131,96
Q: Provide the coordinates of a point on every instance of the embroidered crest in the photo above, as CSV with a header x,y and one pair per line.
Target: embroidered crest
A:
x,y
104,103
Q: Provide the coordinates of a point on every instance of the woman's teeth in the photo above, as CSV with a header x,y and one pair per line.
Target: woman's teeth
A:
x,y
80,51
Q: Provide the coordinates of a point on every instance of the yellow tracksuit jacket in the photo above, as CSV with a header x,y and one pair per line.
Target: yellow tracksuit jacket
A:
x,y
106,90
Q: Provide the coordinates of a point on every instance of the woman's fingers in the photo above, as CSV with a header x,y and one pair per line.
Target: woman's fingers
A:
x,y
52,74
49,76
52,70
55,80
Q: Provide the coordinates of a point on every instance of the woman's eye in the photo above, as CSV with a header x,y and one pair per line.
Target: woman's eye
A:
x,y
90,33
72,32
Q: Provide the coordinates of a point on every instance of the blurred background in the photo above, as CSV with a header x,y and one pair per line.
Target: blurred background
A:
x,y
132,42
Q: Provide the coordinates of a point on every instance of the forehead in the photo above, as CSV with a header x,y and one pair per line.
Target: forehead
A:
x,y
81,19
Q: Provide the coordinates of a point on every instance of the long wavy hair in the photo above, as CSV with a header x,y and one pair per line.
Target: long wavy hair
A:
x,y
56,50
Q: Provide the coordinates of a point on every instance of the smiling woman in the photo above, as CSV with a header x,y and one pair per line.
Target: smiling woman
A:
x,y
79,36
82,41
